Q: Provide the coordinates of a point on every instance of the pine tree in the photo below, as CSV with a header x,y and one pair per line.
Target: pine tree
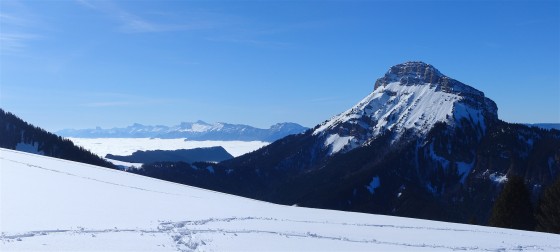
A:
x,y
513,207
548,211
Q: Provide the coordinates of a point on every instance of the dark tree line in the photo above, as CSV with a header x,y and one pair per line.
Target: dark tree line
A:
x,y
548,209
513,208
14,131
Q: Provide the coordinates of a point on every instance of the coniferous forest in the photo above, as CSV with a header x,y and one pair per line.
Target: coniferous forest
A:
x,y
14,131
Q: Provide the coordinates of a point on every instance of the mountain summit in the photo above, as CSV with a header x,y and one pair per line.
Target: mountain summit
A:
x,y
411,97
409,73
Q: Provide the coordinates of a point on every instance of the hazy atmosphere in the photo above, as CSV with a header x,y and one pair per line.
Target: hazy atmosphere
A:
x,y
78,64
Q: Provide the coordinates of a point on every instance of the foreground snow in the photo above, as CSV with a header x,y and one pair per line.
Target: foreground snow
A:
x,y
126,146
52,204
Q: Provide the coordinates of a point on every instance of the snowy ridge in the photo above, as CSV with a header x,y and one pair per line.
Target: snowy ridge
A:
x,y
404,100
68,208
198,126
398,107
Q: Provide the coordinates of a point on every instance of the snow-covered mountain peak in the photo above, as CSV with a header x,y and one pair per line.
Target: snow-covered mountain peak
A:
x,y
198,126
411,97
287,125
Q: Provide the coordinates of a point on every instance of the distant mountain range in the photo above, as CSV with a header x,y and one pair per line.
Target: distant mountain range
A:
x,y
193,131
545,125
420,145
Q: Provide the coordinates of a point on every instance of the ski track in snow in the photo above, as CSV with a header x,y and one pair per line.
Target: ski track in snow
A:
x,y
88,178
183,234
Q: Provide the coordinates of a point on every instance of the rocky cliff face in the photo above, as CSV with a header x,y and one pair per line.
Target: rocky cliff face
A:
x,y
420,73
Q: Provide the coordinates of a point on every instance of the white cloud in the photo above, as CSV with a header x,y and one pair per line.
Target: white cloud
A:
x,y
10,19
16,22
15,42
132,23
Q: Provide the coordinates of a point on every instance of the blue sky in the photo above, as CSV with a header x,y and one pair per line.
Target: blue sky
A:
x,y
81,64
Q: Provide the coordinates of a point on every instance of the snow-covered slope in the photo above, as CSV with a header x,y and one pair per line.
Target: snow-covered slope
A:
x,y
413,97
52,204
